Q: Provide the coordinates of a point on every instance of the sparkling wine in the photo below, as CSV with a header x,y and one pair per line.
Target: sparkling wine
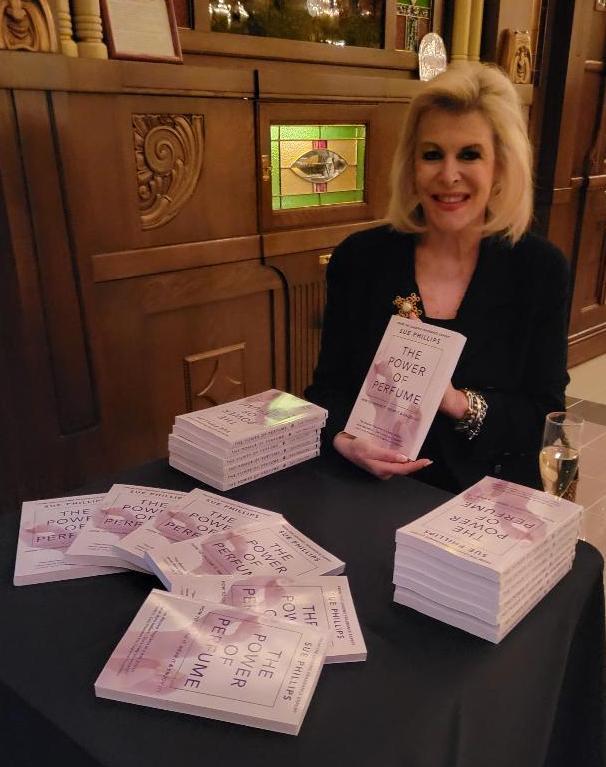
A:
x,y
558,467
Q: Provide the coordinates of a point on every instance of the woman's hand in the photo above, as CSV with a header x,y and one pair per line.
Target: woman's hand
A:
x,y
380,461
454,403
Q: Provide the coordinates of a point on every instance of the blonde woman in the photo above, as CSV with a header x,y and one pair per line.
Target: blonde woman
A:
x,y
460,209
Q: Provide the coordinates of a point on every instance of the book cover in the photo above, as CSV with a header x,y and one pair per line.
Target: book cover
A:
x,y
198,514
47,529
406,381
215,661
124,508
490,528
266,548
246,420
187,467
324,602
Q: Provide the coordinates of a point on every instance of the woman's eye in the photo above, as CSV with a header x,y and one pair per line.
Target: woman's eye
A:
x,y
431,155
470,154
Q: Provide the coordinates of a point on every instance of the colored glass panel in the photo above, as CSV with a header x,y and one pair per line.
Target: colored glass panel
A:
x,y
314,165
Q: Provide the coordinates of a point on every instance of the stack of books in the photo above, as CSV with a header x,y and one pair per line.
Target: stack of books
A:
x,y
484,559
234,443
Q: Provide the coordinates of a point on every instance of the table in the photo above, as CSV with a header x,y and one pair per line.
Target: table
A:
x,y
428,695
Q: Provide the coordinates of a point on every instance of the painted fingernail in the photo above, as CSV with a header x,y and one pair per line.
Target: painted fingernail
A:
x,y
403,458
427,462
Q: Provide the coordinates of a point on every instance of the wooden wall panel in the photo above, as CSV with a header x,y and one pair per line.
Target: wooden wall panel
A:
x,y
96,139
171,319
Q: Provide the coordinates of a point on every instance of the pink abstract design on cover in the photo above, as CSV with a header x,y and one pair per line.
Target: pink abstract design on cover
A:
x,y
523,525
115,520
175,525
47,535
201,656
396,428
274,407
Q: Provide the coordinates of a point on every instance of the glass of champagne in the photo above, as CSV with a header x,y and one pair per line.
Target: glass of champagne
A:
x,y
559,457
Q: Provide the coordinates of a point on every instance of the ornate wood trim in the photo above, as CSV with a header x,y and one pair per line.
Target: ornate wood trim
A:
x,y
27,25
168,151
214,377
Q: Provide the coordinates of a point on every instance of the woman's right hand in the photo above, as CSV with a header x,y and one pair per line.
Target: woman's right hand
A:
x,y
380,461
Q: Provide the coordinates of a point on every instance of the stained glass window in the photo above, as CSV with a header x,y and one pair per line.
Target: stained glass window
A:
x,y
336,22
314,165
413,18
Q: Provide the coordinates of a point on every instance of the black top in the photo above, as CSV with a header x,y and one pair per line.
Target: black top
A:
x,y
514,316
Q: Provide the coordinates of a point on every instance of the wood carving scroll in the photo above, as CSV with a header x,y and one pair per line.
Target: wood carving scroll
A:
x,y
516,58
27,25
168,150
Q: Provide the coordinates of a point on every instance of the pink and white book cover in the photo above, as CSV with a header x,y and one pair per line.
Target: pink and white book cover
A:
x,y
405,385
248,419
47,529
124,509
267,548
490,527
324,602
198,514
216,661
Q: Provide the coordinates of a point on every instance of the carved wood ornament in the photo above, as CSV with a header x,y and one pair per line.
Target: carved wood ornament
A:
x,y
168,150
26,25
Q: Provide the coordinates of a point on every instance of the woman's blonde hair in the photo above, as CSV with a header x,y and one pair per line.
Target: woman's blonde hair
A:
x,y
465,88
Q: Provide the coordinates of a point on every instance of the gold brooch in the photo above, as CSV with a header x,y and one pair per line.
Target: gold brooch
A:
x,y
409,306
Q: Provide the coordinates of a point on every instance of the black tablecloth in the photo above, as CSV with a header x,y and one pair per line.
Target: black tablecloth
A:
x,y
429,695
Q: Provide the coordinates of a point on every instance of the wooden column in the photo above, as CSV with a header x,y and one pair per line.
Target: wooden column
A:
x,y
64,25
89,30
475,30
460,31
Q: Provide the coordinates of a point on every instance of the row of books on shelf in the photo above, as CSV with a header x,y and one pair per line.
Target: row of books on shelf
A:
x,y
234,443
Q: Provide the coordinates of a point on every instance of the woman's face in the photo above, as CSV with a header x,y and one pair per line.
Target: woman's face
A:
x,y
454,170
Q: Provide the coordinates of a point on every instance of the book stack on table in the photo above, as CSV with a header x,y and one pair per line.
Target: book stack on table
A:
x,y
233,443
484,559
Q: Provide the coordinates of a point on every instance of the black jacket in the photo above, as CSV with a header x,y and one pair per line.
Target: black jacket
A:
x,y
514,316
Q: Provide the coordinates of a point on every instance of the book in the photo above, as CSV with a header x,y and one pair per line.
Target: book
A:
x,y
263,548
123,509
490,528
187,467
245,421
324,602
46,530
230,468
216,661
493,632
198,514
404,385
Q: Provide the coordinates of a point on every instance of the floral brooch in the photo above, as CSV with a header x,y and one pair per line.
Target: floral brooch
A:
x,y
409,306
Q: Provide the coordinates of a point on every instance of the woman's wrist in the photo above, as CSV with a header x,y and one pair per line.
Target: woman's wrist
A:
x,y
471,422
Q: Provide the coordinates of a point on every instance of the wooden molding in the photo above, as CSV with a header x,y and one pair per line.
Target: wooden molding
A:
x,y
214,377
27,25
169,150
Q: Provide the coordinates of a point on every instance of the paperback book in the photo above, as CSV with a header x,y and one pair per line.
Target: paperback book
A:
x,y
216,661
263,548
406,381
324,602
199,514
245,421
47,529
491,528
124,508
190,468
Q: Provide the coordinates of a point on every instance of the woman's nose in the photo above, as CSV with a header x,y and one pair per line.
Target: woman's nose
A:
x,y
450,171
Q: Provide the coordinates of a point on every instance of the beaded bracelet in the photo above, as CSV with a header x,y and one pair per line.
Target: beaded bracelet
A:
x,y
472,421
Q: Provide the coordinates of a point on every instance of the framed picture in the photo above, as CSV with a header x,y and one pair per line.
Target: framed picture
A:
x,y
144,30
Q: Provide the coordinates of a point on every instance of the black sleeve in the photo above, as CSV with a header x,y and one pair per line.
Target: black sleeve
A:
x,y
515,416
330,386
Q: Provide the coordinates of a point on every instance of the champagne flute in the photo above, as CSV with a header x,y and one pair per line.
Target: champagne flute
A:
x,y
559,456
